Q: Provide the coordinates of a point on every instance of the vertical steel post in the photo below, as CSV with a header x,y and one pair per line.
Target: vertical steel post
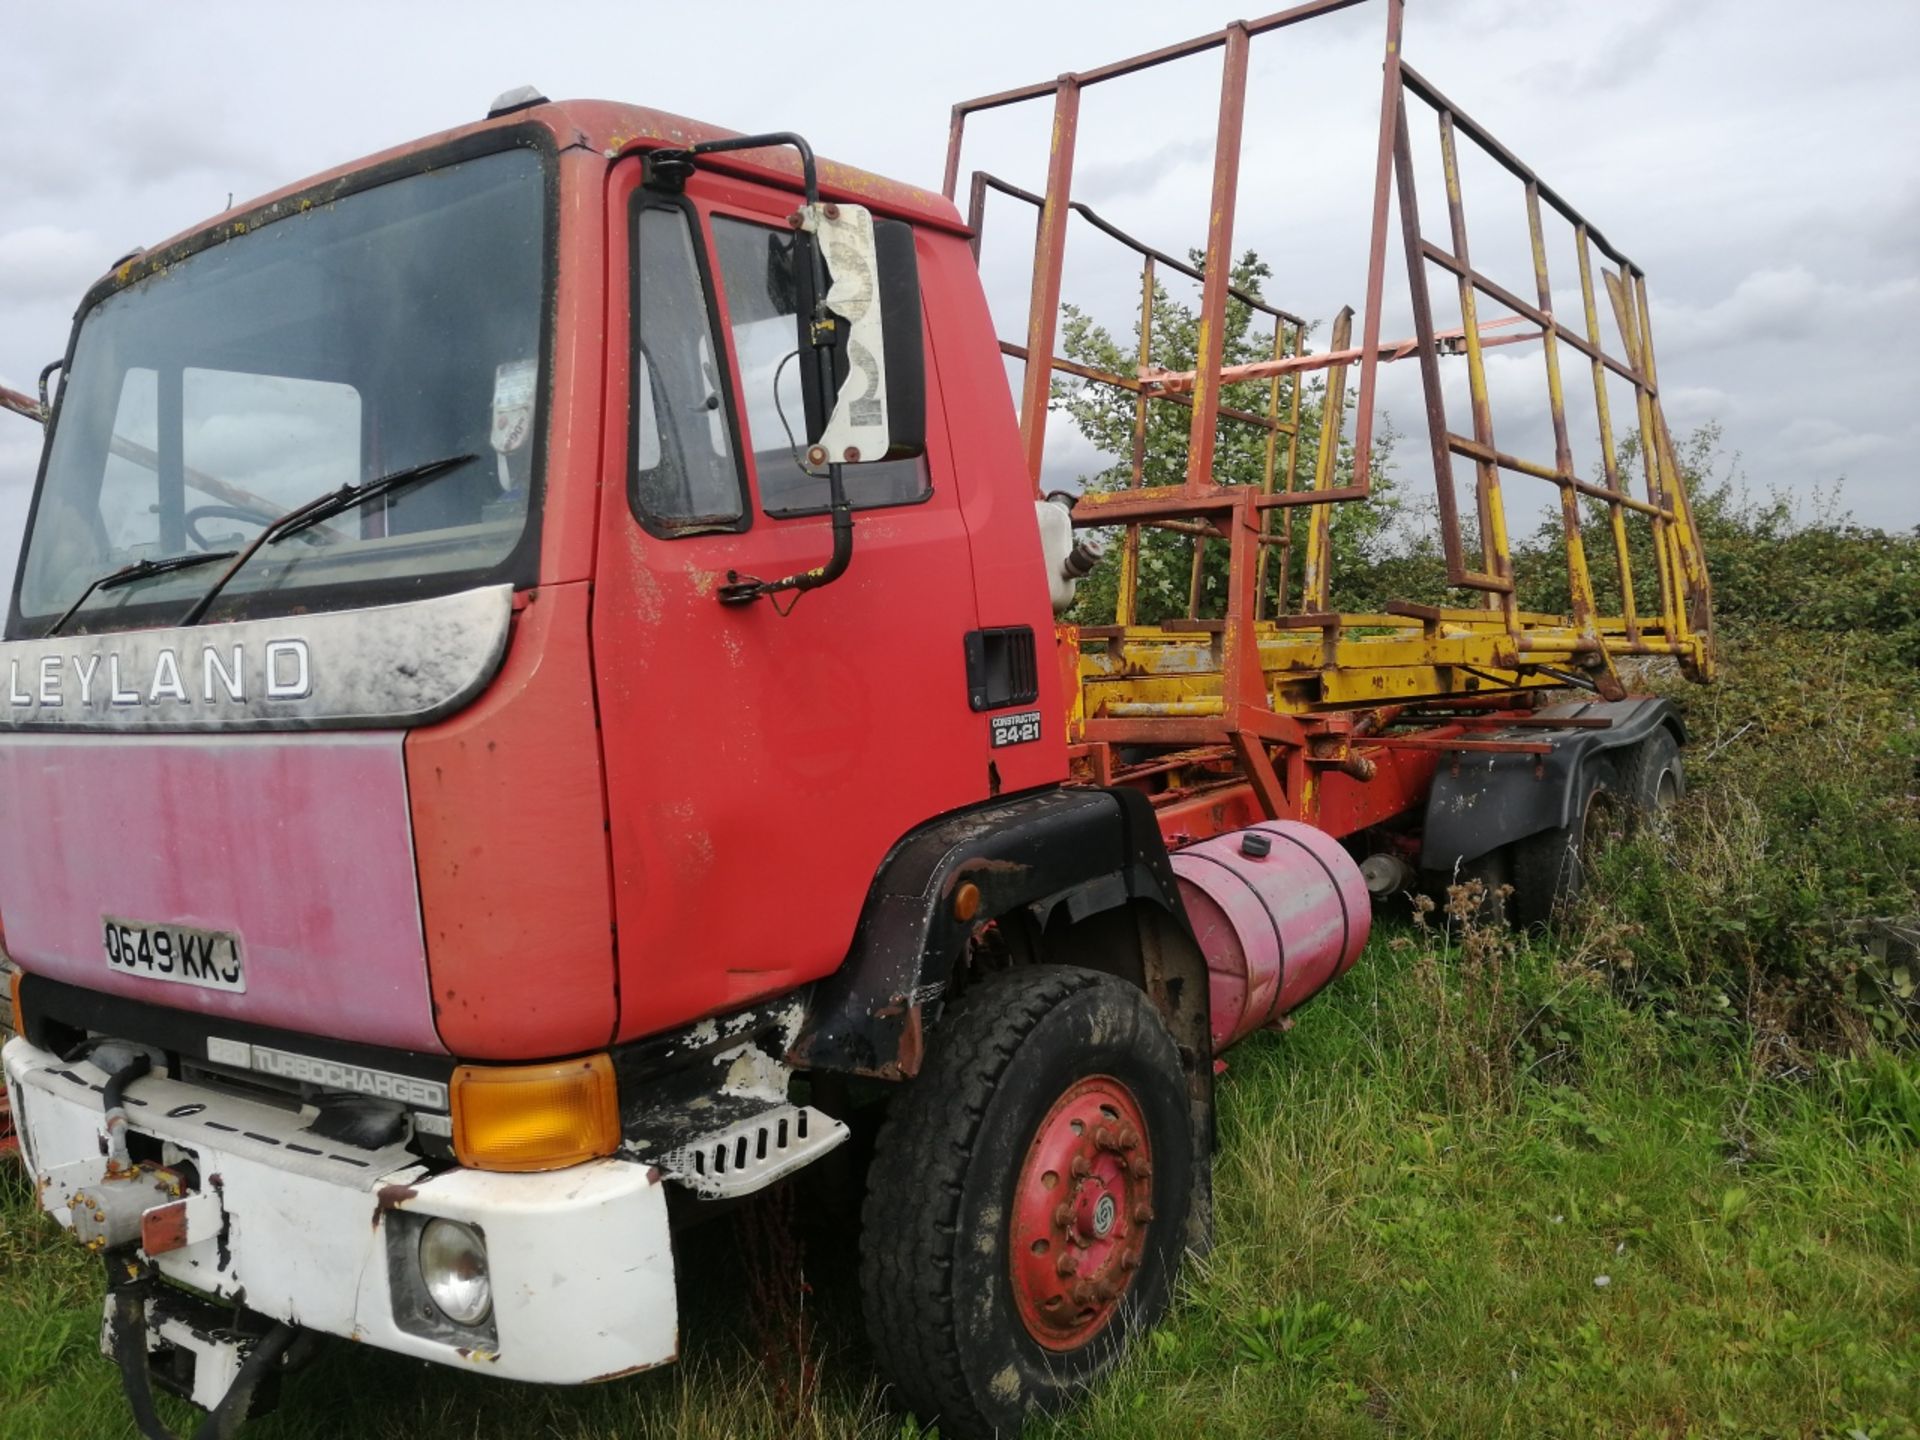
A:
x,y
1049,253
1495,554
1140,400
956,131
1691,566
1210,343
1391,107
1126,605
1281,591
1267,469
1618,520
1579,580
1316,584
1617,293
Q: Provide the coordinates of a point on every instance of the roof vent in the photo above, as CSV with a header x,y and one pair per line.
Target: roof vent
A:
x,y
521,97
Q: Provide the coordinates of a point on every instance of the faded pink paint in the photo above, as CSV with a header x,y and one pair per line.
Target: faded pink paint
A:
x,y
300,844
1275,928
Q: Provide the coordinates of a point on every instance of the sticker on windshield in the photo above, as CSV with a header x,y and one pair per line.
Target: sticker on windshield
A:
x,y
513,395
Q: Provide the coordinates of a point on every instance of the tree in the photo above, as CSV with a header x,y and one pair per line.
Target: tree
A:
x,y
1361,533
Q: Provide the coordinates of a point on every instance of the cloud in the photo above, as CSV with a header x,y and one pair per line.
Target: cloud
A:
x,y
41,260
1789,304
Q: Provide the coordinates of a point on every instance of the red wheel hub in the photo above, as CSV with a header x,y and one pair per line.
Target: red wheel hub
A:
x,y
1081,1210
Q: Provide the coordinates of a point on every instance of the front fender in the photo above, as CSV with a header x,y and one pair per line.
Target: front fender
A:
x,y
1088,850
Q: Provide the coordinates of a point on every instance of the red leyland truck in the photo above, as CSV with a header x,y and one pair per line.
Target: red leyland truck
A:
x,y
538,697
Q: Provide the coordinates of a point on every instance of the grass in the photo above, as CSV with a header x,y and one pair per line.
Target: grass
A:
x,y
1660,1176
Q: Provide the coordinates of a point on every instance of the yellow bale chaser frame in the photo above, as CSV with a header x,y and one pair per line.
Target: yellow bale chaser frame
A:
x,y
1281,705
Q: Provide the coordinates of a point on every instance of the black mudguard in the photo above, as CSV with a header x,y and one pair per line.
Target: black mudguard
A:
x,y
1089,850
1482,800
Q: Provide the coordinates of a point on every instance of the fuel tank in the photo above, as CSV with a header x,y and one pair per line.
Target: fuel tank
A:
x,y
1280,911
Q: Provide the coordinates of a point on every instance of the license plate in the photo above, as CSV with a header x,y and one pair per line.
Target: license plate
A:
x,y
207,958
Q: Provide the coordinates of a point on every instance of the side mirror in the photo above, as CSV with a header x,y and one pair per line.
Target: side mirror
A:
x,y
875,407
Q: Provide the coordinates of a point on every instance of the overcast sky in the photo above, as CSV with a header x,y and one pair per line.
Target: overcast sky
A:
x,y
1756,157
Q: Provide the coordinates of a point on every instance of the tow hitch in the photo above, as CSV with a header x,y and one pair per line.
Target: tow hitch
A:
x,y
224,1360
202,1352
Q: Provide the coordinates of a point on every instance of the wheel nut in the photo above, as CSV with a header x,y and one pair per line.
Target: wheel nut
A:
x,y
1129,1261
1142,1213
1066,1264
1106,1138
1081,1169
1063,1216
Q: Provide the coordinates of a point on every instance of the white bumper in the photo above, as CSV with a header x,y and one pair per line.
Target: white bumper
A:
x,y
323,1234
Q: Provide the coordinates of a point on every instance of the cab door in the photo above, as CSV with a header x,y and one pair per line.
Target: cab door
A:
x,y
760,759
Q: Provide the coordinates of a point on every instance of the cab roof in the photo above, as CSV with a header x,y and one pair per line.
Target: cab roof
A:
x,y
611,128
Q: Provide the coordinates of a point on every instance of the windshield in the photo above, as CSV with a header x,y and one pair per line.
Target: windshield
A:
x,y
392,327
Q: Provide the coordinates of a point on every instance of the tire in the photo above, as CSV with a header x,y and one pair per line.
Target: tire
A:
x,y
1493,873
970,1316
1550,867
1652,778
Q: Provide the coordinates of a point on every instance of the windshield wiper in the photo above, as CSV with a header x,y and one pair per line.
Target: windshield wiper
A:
x,y
138,570
321,508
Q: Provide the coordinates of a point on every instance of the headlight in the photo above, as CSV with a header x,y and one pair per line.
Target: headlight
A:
x,y
453,1262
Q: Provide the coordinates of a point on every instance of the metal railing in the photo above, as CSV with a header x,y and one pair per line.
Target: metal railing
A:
x,y
1240,512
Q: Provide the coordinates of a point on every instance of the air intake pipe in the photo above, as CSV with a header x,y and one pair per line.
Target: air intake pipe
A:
x,y
1280,911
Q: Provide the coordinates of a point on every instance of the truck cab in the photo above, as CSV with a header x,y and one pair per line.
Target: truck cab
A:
x,y
479,786
508,693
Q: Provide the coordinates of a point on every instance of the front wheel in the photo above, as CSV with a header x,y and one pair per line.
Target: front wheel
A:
x,y
1026,1210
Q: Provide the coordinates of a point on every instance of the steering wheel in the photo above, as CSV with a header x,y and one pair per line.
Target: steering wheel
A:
x,y
195,514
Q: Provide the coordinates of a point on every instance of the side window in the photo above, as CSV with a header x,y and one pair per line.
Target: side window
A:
x,y
756,271
685,475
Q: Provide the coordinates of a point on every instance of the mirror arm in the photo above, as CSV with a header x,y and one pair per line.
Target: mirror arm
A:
x,y
744,589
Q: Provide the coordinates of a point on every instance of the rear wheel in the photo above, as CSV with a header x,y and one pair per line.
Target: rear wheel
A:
x,y
1550,868
1651,777
1026,1209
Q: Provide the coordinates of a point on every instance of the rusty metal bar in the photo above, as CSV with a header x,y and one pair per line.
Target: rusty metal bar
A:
x,y
1392,122
1127,590
984,179
1293,456
1245,297
19,404
1267,472
1507,160
1500,294
1579,581
1316,581
1199,45
1049,253
1473,450
1610,462
1175,382
1696,614
1211,339
1146,358
1649,452
1133,387
1494,550
1458,572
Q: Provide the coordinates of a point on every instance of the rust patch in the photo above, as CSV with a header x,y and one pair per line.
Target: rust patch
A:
x,y
391,1197
913,1044
164,1228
